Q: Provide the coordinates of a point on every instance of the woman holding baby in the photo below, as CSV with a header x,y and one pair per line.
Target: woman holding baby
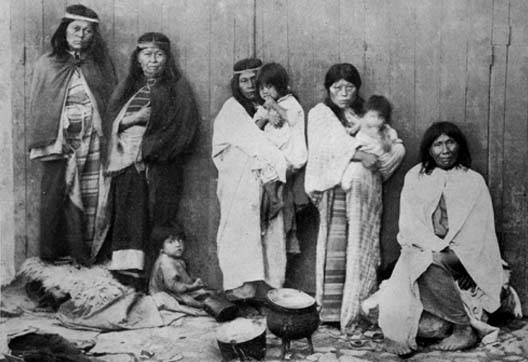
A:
x,y
351,153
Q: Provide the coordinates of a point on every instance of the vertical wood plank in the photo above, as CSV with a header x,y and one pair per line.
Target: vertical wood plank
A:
x,y
126,33
352,25
515,248
221,55
243,29
500,42
325,44
18,70
272,33
176,20
377,35
7,202
427,63
402,81
34,14
453,65
300,50
401,93
479,60
150,16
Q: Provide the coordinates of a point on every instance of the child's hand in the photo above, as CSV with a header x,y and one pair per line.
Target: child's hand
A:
x,y
368,160
275,119
198,283
269,103
350,130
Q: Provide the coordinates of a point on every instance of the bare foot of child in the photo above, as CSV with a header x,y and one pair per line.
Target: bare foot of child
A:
x,y
396,347
462,337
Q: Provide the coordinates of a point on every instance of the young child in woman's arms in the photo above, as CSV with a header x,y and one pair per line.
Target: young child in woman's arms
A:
x,y
169,273
277,117
375,135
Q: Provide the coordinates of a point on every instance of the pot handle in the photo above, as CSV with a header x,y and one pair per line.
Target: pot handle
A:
x,y
238,351
318,308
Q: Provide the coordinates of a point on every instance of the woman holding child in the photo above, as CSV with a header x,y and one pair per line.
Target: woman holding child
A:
x,y
344,175
253,153
153,118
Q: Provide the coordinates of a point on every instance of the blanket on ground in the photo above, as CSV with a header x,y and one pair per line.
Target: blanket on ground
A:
x,y
99,302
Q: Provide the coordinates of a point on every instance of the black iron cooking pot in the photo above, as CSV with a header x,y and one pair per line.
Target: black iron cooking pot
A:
x,y
243,339
293,315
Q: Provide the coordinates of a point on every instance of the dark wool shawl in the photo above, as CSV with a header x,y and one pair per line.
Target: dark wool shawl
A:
x,y
173,119
51,77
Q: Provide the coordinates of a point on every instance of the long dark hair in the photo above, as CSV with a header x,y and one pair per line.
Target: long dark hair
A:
x,y
248,63
135,77
432,133
97,48
349,73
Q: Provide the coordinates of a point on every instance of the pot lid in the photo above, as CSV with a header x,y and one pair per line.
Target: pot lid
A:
x,y
240,330
290,298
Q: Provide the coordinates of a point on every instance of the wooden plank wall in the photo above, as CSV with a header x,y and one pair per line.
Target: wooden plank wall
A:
x,y
7,222
460,61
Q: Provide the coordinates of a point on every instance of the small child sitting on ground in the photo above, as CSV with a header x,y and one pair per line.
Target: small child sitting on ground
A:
x,y
169,273
375,135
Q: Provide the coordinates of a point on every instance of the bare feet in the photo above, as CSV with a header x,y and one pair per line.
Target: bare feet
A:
x,y
462,337
397,348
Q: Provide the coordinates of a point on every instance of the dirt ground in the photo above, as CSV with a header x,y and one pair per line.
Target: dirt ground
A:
x,y
193,339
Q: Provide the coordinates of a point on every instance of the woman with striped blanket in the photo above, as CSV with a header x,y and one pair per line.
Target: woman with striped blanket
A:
x,y
348,251
70,87
154,121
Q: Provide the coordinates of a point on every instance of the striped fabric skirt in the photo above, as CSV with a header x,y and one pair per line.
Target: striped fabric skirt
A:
x,y
352,249
335,266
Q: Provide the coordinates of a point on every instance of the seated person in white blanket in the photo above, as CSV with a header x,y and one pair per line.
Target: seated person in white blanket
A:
x,y
374,133
448,246
169,273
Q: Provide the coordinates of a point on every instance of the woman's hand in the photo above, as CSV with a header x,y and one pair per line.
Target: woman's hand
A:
x,y
368,160
141,117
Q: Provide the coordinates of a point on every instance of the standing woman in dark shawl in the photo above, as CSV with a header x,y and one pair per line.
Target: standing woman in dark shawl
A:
x,y
154,119
70,87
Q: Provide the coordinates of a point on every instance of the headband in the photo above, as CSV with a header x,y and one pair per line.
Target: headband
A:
x,y
150,44
256,69
68,15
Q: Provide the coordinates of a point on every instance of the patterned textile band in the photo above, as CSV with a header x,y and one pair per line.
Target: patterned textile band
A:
x,y
247,70
79,17
150,44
